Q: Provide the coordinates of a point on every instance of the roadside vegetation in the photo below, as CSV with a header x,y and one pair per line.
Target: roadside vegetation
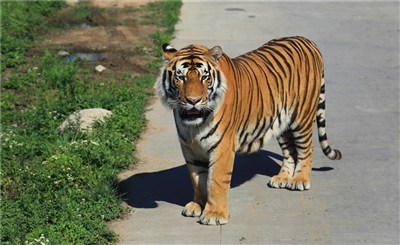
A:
x,y
62,188
18,22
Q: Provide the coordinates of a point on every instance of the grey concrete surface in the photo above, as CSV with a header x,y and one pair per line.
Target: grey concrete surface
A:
x,y
352,201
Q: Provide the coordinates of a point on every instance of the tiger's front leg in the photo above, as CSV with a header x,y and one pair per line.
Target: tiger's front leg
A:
x,y
198,172
219,179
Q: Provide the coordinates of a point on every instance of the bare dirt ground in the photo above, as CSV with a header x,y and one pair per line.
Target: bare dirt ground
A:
x,y
113,29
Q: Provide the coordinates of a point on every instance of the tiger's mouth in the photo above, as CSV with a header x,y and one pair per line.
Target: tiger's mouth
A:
x,y
194,114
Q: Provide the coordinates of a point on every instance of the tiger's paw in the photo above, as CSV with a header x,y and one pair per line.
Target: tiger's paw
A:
x,y
279,181
210,217
299,183
192,209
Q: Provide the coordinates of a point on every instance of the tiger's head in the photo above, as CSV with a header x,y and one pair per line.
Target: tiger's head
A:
x,y
191,83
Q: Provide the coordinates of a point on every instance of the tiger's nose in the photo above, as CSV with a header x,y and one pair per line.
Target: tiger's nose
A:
x,y
192,100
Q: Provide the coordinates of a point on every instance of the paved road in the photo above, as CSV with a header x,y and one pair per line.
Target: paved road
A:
x,y
352,201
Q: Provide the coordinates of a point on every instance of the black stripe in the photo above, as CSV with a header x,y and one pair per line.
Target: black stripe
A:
x,y
261,142
327,150
304,157
322,90
192,57
271,68
172,86
321,105
282,57
244,141
285,47
180,135
219,79
164,78
322,137
297,48
220,139
186,64
321,124
259,90
257,137
200,164
249,78
249,147
174,66
275,60
274,73
212,131
301,147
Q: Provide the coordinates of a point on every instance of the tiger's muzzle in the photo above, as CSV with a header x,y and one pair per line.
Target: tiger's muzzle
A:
x,y
193,111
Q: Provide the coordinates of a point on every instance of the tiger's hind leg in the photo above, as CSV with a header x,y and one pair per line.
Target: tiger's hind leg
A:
x,y
286,143
301,179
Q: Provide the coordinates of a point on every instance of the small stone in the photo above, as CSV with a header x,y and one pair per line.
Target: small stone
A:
x,y
84,119
63,53
100,68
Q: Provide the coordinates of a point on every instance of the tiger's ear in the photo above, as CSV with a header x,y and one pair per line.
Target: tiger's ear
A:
x,y
215,53
168,51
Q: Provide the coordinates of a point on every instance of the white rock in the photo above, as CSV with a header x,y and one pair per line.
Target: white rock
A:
x,y
63,53
84,119
100,68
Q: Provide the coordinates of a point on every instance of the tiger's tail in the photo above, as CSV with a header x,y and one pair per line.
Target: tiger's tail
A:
x,y
332,154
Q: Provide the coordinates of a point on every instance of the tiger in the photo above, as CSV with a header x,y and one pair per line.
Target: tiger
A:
x,y
225,106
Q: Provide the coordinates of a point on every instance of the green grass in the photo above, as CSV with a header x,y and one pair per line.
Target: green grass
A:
x,y
61,188
164,19
19,20
81,10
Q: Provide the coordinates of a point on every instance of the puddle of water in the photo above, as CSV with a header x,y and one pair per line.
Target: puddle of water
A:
x,y
87,57
92,56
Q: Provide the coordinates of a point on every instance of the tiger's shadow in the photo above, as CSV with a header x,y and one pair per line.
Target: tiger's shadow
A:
x,y
144,190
